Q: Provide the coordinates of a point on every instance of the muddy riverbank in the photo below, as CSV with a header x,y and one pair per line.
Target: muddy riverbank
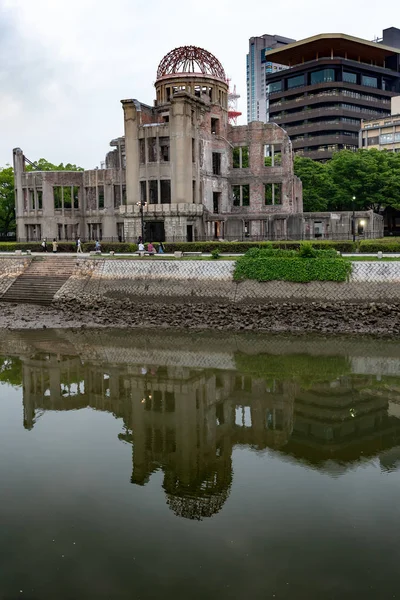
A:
x,y
315,317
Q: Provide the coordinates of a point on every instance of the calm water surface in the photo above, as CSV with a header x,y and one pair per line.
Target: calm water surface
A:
x,y
137,465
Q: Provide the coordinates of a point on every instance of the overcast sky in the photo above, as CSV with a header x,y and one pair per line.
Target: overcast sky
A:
x,y
65,66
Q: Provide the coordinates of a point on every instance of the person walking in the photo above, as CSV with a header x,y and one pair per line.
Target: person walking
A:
x,y
55,246
78,245
97,247
44,245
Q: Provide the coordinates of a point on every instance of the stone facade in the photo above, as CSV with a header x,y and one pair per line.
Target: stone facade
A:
x,y
181,172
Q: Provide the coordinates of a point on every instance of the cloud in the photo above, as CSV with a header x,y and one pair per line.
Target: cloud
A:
x,y
66,66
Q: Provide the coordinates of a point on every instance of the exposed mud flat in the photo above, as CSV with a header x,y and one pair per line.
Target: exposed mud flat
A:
x,y
314,317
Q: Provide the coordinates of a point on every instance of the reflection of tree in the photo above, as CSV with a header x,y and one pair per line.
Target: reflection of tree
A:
x,y
11,371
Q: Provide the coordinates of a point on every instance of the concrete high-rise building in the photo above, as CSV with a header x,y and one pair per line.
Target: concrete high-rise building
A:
x,y
257,66
332,82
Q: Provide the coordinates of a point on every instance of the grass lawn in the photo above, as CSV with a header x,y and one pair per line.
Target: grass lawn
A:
x,y
372,258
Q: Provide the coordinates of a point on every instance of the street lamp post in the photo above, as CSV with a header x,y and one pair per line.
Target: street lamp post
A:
x,y
141,204
353,222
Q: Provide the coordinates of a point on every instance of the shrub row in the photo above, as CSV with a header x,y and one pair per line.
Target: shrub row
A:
x,y
365,246
304,367
383,245
241,247
206,247
67,246
300,270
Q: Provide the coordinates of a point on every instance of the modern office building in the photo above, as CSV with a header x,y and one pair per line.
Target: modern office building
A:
x,y
383,133
257,67
332,82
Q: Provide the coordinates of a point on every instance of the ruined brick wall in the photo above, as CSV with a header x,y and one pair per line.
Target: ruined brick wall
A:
x,y
256,136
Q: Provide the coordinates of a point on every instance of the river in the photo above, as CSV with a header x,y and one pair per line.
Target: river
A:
x,y
170,465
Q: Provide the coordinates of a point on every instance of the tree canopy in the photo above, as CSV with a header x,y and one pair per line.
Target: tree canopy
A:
x,y
44,165
371,176
7,200
7,195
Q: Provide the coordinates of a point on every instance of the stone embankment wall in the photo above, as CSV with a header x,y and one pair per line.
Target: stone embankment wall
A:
x,y
163,281
10,268
202,295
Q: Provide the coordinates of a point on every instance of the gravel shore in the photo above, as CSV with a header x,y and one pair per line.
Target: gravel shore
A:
x,y
338,318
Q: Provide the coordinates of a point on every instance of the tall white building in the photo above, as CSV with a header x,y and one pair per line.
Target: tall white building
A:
x,y
257,66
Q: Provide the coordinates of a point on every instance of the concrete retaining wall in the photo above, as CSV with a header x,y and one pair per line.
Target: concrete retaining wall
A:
x,y
10,268
153,281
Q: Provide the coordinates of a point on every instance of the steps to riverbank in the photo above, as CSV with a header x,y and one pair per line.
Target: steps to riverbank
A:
x,y
40,281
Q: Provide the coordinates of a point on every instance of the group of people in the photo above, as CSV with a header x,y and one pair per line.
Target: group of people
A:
x,y
97,247
150,248
54,244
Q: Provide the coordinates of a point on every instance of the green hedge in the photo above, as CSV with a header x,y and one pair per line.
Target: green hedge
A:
x,y
206,247
300,270
303,367
241,247
383,245
119,247
67,246
36,246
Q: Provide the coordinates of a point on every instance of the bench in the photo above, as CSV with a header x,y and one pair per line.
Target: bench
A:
x,y
179,254
145,253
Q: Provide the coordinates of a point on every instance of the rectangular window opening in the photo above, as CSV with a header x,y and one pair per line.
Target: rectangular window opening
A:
x,y
215,126
100,192
57,195
272,194
165,185
164,149
75,192
153,191
143,192
216,202
240,158
67,197
216,163
151,147
241,195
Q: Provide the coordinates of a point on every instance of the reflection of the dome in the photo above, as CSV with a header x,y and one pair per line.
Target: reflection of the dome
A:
x,y
185,420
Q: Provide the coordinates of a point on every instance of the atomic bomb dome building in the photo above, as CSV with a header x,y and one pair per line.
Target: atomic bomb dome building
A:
x,y
181,172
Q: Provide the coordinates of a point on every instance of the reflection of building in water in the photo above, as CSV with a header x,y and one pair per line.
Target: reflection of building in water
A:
x,y
186,421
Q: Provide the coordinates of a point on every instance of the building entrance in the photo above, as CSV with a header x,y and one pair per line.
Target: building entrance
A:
x,y
154,231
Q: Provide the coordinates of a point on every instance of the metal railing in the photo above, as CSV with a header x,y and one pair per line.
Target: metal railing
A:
x,y
301,236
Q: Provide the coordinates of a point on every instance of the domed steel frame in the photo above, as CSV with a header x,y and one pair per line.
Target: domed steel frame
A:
x,y
190,59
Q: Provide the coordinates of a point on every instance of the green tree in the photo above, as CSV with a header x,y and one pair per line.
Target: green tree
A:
x,y
371,176
44,165
11,371
317,184
7,200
